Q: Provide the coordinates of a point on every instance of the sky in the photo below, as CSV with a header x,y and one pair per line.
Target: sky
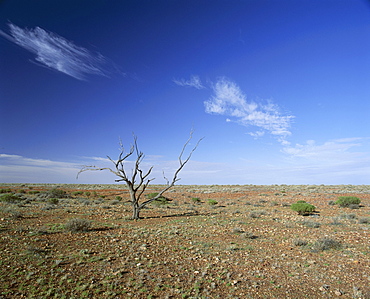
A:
x,y
279,89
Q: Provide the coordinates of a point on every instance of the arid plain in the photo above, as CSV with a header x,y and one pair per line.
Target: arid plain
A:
x,y
239,241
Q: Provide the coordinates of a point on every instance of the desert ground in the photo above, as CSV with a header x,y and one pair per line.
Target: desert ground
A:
x,y
241,241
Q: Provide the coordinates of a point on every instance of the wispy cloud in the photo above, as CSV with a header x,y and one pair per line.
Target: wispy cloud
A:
x,y
58,53
20,169
348,167
229,100
194,81
338,150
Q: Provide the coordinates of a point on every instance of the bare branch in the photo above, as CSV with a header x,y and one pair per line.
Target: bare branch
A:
x,y
136,190
175,179
94,168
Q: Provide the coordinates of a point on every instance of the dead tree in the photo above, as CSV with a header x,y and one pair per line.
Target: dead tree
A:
x,y
139,180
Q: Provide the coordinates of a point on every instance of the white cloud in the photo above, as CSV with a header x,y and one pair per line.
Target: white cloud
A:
x,y
57,53
347,168
229,100
19,169
339,161
194,81
338,150
256,134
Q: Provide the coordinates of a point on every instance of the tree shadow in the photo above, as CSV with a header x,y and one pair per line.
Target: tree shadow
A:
x,y
186,214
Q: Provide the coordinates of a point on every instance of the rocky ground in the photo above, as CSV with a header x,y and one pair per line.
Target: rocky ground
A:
x,y
207,242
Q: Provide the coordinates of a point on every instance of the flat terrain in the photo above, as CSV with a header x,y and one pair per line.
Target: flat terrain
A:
x,y
206,242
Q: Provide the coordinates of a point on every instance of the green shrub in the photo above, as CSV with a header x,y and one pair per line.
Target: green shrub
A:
x,y
159,201
195,199
303,208
77,225
33,192
151,195
76,193
53,201
7,190
57,193
346,201
87,193
212,202
11,198
119,198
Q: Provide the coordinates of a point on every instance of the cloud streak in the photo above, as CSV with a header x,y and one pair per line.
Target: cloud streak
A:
x,y
229,100
58,53
338,150
346,167
194,81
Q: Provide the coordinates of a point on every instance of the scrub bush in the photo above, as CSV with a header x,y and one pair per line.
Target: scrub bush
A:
x,y
11,198
53,201
159,201
212,202
57,193
364,220
299,242
303,208
257,213
347,201
326,244
196,199
7,190
76,193
77,225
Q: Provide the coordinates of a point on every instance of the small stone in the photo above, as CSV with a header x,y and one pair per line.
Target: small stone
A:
x,y
324,288
338,292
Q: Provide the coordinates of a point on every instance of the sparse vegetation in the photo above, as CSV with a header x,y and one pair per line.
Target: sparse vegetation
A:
x,y
257,213
184,249
77,193
10,198
33,192
348,216
326,244
212,202
5,190
77,225
53,201
364,220
195,199
299,242
56,193
311,224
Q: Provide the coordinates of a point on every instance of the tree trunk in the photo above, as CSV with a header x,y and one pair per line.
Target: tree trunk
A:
x,y
135,211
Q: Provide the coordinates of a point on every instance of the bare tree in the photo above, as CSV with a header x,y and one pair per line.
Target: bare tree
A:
x,y
139,180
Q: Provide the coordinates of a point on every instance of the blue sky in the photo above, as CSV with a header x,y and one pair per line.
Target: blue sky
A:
x,y
279,89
